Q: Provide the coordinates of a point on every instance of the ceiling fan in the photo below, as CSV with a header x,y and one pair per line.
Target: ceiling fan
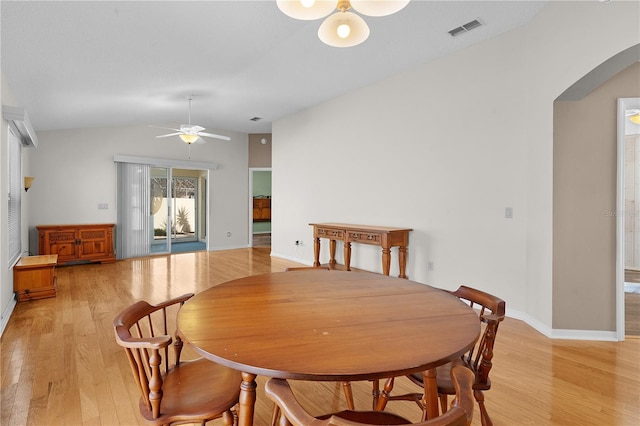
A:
x,y
190,133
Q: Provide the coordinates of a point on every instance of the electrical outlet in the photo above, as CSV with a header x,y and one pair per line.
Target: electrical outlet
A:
x,y
103,206
508,212
228,233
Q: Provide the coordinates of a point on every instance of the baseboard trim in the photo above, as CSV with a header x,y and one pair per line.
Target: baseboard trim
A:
x,y
291,258
6,314
551,333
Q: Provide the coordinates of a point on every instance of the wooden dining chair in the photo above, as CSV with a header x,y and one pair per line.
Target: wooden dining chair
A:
x,y
479,360
292,413
173,391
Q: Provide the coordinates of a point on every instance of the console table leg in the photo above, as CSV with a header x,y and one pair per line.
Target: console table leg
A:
x,y
316,252
402,260
332,252
386,260
347,255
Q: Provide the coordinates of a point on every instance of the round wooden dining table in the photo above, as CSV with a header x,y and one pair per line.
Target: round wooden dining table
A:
x,y
326,325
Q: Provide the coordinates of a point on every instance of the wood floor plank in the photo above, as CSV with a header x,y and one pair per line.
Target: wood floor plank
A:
x,y
60,364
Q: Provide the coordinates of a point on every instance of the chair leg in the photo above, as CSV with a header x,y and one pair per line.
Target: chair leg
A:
x,y
484,416
444,405
375,393
384,395
229,419
275,416
348,394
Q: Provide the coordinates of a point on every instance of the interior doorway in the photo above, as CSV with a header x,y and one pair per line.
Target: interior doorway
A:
x,y
260,206
628,218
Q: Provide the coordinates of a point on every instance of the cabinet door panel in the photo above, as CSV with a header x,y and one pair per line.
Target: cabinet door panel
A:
x,y
62,243
93,243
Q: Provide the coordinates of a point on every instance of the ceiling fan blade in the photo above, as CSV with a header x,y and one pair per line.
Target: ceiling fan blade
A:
x,y
169,134
211,135
165,128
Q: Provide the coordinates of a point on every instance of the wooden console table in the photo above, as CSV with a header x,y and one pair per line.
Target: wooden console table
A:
x,y
382,236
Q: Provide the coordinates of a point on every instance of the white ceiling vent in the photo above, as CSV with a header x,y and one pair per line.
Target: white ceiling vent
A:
x,y
465,28
18,116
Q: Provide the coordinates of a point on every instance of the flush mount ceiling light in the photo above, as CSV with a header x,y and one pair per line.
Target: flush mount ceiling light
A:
x,y
343,28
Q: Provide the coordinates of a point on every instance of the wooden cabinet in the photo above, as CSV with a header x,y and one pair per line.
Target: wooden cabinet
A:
x,y
77,243
262,209
34,277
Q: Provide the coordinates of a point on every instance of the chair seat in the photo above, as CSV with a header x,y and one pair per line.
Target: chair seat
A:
x,y
369,417
208,389
445,385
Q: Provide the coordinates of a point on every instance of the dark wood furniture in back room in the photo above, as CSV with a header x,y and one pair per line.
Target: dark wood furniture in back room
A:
x,y
77,243
34,277
383,236
261,209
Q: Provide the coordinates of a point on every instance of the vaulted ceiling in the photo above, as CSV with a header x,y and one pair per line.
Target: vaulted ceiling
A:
x,y
82,64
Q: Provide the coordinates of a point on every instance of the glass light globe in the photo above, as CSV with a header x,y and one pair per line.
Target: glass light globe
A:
x,y
378,7
306,10
188,138
329,30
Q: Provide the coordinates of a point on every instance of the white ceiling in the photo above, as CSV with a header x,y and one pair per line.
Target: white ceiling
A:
x,y
81,64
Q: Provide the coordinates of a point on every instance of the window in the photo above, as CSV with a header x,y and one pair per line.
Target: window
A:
x,y
15,172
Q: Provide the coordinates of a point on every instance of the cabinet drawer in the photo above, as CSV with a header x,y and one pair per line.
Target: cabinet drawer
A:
x,y
61,237
365,237
336,234
41,293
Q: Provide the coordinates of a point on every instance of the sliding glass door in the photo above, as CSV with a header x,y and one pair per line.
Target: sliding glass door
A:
x,y
175,208
160,218
161,209
184,193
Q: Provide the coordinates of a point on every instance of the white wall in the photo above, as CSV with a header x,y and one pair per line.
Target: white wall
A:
x,y
75,171
443,149
7,300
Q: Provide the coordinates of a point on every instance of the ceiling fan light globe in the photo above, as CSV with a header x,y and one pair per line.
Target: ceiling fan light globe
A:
x,y
188,139
358,30
306,10
378,7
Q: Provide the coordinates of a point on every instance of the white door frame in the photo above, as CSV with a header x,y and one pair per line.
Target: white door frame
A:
x,y
623,105
250,225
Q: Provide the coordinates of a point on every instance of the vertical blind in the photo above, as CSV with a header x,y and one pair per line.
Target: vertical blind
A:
x,y
133,229
15,173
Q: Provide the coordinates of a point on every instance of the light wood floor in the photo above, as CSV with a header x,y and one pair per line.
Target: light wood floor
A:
x,y
60,364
